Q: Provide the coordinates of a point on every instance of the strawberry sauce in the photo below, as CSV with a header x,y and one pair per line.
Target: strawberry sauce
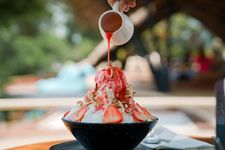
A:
x,y
108,36
115,79
112,76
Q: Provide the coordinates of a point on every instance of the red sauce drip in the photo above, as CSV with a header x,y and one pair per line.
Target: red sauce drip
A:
x,y
108,36
117,82
116,79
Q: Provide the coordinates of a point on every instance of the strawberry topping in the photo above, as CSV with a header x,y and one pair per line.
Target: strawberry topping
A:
x,y
65,114
100,107
140,114
78,115
115,79
112,115
145,111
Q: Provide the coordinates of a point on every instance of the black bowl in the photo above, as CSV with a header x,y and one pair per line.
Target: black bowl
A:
x,y
101,136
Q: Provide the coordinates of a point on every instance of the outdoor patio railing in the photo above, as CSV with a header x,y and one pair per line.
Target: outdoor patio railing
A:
x,y
152,102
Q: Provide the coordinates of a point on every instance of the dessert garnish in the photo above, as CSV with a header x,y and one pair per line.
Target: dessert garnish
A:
x,y
111,101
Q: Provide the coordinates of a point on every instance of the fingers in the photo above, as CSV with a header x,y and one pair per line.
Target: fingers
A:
x,y
132,4
126,8
111,2
124,4
128,4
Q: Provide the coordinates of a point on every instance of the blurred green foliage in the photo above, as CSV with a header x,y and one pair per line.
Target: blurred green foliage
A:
x,y
180,35
29,43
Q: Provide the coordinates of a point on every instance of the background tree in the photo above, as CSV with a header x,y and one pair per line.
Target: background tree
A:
x,y
36,34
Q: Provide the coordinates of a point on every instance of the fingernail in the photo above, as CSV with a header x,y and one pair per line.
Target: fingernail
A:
x,y
126,8
132,4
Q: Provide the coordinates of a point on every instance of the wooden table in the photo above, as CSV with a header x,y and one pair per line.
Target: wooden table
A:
x,y
47,145
37,146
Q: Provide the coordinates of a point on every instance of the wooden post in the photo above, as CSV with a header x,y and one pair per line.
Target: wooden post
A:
x,y
138,43
161,75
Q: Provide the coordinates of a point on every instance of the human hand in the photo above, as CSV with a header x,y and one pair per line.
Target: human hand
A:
x,y
124,5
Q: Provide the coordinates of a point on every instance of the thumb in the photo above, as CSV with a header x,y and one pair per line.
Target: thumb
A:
x,y
121,4
111,2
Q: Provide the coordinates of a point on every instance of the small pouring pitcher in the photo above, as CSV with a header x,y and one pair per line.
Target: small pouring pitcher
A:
x,y
118,23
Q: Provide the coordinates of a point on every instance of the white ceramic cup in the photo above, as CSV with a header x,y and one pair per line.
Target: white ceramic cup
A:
x,y
124,26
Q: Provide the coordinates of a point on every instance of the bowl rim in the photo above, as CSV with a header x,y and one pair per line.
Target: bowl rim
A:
x,y
155,120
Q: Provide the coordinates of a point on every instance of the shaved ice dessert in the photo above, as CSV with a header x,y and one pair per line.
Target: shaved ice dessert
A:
x,y
111,101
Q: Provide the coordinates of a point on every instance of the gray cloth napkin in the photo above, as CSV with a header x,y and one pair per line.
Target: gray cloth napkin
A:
x,y
162,138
